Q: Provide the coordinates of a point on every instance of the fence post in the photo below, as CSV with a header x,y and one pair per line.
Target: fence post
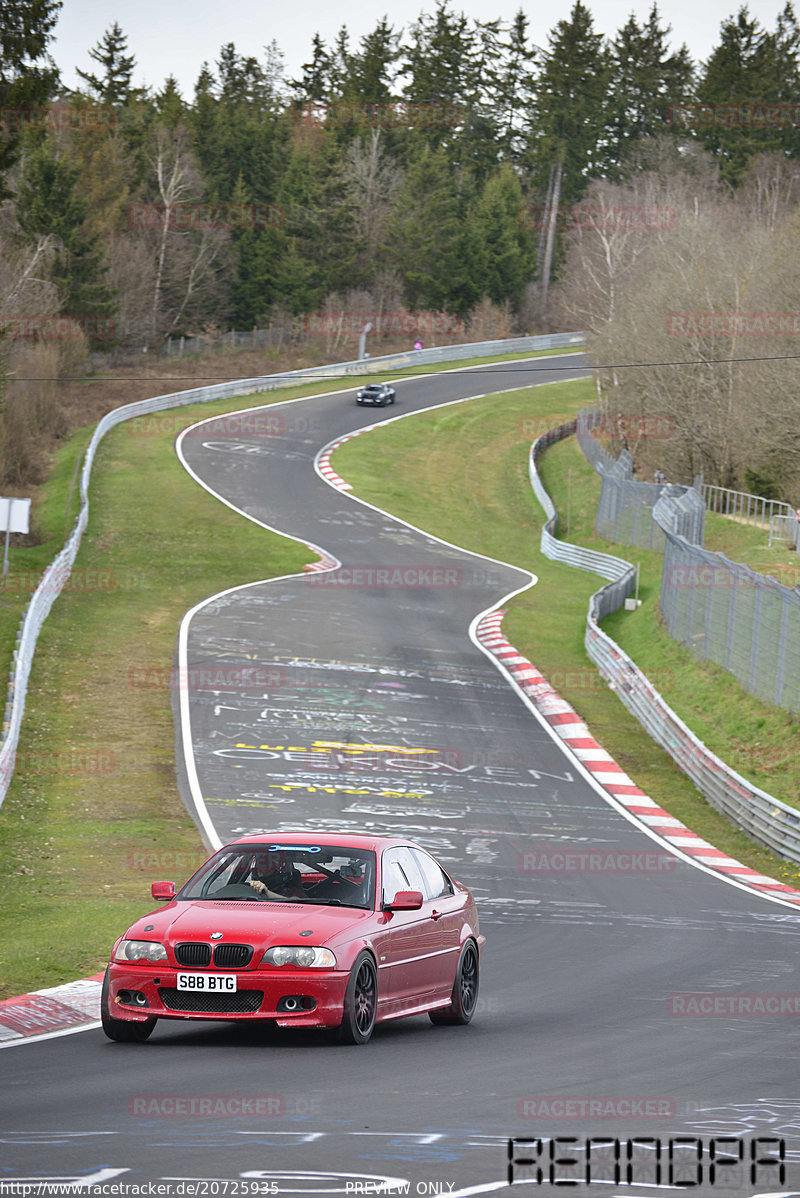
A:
x,y
754,646
783,638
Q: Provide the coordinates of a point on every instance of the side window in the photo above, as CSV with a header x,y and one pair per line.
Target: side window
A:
x,y
400,872
436,881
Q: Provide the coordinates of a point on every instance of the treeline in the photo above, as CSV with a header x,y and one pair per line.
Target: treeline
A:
x,y
694,318
432,169
414,166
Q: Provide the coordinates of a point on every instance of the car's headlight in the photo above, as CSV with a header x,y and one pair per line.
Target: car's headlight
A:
x,y
140,950
303,955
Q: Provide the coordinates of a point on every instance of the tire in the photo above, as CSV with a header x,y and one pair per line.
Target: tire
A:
x,y
360,1002
465,990
124,1031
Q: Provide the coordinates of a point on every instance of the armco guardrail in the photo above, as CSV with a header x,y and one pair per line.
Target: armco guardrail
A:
x,y
766,819
57,573
621,574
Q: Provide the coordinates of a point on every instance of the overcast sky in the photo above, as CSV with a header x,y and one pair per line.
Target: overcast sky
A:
x,y
177,36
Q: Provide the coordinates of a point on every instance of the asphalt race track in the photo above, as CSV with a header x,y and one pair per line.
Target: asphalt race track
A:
x,y
356,699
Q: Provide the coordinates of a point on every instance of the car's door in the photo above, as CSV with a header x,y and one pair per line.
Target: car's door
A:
x,y
407,940
445,907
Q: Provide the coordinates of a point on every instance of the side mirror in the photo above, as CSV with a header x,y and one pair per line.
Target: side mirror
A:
x,y
405,900
164,892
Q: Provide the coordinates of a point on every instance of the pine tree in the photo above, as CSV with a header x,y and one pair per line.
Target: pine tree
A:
x,y
512,84
648,81
317,233
444,62
243,82
259,252
114,86
239,129
572,104
371,68
749,71
443,59
28,76
509,253
425,231
48,204
169,103
316,84
569,137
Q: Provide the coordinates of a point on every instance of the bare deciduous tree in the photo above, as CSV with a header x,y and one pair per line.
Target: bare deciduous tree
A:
x,y
371,182
190,272
691,320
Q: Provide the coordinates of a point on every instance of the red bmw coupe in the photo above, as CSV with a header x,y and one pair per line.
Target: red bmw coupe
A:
x,y
301,931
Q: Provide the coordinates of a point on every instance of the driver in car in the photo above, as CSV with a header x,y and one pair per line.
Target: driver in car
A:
x,y
274,875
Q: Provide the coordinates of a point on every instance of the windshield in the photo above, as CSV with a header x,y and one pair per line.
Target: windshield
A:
x,y
280,872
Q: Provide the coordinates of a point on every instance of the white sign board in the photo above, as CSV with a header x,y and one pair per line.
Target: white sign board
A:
x,y
14,515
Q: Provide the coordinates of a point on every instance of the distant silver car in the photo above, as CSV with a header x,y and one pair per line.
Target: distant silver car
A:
x,y
376,394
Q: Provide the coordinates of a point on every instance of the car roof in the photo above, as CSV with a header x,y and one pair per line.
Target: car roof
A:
x,y
345,840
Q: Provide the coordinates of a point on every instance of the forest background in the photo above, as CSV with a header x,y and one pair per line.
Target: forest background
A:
x,y
452,182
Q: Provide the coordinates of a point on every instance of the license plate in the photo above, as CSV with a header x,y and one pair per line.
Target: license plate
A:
x,y
206,981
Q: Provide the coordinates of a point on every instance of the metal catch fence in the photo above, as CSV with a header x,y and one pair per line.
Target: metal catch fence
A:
x,y
625,510
724,612
768,820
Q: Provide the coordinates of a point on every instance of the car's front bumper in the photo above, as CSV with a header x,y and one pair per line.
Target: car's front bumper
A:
x,y
259,994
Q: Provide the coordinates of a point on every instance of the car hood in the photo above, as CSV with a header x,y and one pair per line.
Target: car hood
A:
x,y
259,924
